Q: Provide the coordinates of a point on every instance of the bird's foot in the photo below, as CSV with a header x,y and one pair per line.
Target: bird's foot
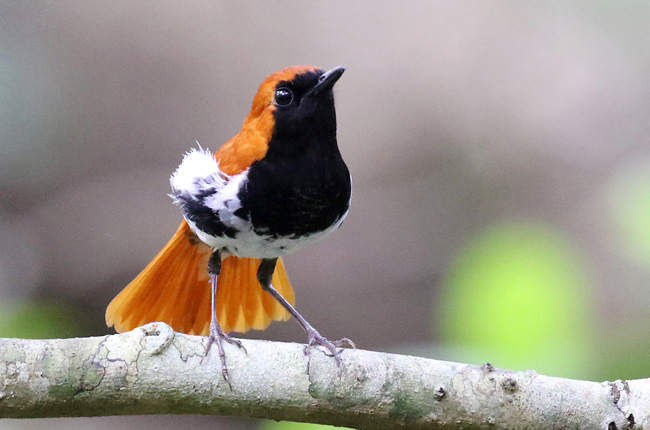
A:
x,y
314,338
216,336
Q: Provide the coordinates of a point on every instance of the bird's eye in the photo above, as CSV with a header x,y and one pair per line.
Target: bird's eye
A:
x,y
283,96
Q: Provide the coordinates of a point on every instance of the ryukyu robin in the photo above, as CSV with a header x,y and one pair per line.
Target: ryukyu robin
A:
x,y
278,185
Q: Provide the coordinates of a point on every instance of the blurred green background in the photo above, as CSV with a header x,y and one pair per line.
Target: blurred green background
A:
x,y
499,150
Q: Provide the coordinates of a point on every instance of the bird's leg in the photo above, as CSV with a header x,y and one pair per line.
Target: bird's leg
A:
x,y
264,275
216,334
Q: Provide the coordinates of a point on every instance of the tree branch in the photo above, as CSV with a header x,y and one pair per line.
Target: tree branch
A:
x,y
152,370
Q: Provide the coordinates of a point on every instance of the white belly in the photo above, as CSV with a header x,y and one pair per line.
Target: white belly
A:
x,y
249,244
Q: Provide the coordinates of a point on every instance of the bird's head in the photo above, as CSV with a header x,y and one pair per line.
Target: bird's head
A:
x,y
297,99
292,112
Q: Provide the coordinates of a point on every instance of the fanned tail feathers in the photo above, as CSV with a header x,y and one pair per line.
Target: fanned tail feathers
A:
x,y
175,288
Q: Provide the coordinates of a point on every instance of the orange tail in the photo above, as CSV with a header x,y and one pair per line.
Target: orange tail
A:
x,y
175,288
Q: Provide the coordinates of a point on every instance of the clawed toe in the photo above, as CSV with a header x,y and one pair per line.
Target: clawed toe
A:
x,y
315,339
344,342
231,340
216,336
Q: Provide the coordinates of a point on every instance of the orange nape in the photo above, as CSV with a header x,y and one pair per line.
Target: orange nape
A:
x,y
252,141
175,288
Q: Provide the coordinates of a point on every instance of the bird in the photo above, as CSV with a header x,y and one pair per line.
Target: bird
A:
x,y
278,185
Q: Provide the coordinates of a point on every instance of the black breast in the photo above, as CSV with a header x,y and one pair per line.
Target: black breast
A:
x,y
296,197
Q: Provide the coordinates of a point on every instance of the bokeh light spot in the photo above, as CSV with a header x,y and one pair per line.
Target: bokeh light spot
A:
x,y
516,296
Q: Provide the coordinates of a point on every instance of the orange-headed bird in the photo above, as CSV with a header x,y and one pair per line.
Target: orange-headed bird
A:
x,y
275,187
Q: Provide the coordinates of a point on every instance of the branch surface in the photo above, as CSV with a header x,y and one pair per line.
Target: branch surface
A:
x,y
152,370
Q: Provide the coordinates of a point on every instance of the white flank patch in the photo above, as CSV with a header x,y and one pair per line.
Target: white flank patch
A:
x,y
225,202
198,171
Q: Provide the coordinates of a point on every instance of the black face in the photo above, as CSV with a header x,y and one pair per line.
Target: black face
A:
x,y
302,112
